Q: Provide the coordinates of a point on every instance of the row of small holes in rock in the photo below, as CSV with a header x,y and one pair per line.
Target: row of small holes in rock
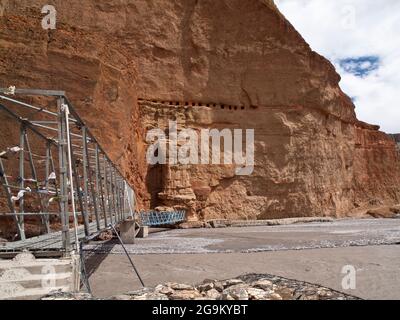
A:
x,y
193,104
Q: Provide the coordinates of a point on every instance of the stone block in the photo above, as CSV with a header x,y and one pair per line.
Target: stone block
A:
x,y
127,232
143,232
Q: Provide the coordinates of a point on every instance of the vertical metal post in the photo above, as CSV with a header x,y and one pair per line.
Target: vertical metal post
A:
x,y
79,193
85,177
99,186
53,169
89,176
35,177
62,149
47,173
122,188
116,192
123,197
111,193
119,199
114,207
47,185
22,175
47,170
31,163
4,181
107,189
116,196
71,176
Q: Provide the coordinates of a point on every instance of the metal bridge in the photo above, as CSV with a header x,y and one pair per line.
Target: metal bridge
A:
x,y
57,174
156,218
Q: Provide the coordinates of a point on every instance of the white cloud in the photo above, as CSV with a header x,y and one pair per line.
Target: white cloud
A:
x,y
340,29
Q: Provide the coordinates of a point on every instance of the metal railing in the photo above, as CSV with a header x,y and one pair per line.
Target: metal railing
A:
x,y
156,218
66,171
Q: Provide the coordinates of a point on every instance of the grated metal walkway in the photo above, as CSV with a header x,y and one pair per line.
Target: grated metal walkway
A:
x,y
48,242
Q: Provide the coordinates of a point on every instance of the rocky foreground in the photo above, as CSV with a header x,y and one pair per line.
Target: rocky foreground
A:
x,y
247,287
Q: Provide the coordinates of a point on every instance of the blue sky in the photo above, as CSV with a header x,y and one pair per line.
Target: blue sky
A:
x,y
361,38
361,67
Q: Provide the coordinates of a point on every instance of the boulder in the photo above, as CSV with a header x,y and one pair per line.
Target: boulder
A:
x,y
185,295
382,212
213,294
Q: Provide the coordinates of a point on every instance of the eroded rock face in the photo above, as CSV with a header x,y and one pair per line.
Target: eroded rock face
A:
x,y
313,157
242,65
307,164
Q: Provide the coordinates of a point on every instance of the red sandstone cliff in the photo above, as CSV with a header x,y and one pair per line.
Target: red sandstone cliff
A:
x,y
313,157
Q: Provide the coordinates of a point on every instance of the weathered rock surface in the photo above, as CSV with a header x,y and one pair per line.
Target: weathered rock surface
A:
x,y
384,212
207,64
247,287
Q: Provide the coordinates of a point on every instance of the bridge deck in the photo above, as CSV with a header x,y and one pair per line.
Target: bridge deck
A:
x,y
47,242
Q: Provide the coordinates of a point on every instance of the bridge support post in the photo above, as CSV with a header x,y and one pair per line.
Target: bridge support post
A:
x,y
107,189
113,190
62,150
89,180
4,182
128,231
99,187
47,183
86,212
22,178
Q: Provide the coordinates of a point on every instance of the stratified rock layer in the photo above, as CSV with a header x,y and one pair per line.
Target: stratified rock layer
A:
x,y
313,157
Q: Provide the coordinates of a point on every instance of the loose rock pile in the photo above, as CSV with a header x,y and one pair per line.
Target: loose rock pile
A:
x,y
247,287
